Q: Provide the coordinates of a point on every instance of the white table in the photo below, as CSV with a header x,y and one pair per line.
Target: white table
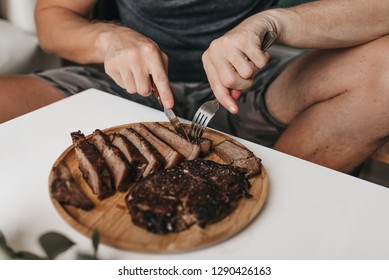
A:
x,y
311,213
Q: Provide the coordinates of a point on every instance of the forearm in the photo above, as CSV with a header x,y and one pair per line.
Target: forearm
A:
x,y
330,23
71,35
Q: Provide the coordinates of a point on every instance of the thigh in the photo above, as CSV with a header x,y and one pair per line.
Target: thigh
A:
x,y
321,75
253,122
74,79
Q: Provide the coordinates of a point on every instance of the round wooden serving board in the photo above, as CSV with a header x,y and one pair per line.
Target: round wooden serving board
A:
x,y
113,221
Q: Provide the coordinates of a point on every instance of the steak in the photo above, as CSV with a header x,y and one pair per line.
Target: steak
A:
x,y
171,156
239,156
205,146
197,191
132,154
188,149
93,168
64,189
153,157
121,170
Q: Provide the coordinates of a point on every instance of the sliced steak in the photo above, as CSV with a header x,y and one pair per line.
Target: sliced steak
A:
x,y
171,156
239,156
153,157
132,154
205,146
197,191
188,149
121,170
64,189
93,168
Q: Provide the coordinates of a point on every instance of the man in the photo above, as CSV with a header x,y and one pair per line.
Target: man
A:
x,y
329,105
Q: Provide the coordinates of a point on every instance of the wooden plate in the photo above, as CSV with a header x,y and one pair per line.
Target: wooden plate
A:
x,y
112,219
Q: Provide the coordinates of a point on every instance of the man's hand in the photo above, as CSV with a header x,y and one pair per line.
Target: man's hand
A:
x,y
131,58
64,28
232,60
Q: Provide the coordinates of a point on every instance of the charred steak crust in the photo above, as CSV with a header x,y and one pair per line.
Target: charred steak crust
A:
x,y
64,189
92,166
197,191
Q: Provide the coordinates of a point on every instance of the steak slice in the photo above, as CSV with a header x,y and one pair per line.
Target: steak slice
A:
x,y
205,146
121,170
93,168
132,154
64,189
171,156
153,157
197,191
239,156
188,149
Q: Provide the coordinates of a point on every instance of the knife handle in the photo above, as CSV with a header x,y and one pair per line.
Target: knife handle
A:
x,y
155,91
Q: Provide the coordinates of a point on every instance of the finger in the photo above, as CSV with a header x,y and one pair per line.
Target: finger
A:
x,y
129,83
117,78
256,56
221,92
228,76
243,66
226,73
158,72
142,80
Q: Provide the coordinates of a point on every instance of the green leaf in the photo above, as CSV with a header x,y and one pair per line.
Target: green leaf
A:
x,y
54,243
95,241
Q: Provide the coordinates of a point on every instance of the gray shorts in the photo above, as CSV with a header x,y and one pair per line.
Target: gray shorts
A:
x,y
253,122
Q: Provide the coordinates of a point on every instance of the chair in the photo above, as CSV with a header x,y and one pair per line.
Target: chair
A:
x,y
19,48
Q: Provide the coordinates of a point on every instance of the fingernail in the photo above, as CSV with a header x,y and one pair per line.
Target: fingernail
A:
x,y
168,104
233,109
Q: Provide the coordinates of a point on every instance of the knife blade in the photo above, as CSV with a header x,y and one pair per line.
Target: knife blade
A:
x,y
170,114
176,123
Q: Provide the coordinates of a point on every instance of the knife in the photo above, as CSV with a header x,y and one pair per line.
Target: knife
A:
x,y
170,114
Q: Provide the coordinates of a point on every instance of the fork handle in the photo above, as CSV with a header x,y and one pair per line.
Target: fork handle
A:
x,y
268,40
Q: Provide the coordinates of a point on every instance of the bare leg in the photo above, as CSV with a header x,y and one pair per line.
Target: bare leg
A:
x,y
23,94
336,103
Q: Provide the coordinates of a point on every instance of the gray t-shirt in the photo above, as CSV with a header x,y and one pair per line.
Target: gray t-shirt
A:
x,y
183,29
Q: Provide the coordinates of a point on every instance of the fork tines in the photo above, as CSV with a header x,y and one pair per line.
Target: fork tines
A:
x,y
197,127
201,119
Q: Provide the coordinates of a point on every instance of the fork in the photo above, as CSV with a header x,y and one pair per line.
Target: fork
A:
x,y
201,119
206,111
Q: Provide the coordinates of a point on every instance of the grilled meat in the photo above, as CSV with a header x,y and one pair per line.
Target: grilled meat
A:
x,y
121,170
93,168
64,189
188,149
171,156
197,191
153,157
205,146
239,156
132,154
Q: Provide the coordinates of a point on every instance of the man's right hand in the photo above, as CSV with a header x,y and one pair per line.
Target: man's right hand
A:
x,y
131,58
